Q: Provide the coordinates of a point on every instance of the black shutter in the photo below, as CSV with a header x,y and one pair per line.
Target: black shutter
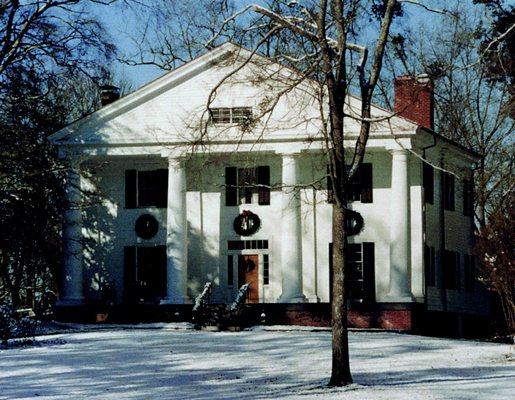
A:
x,y
428,182
448,186
162,188
129,274
130,188
231,190
263,173
366,183
369,283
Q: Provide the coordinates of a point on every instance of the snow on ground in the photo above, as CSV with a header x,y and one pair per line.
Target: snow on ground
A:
x,y
166,362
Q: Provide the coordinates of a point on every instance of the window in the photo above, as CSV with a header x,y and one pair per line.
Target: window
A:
x,y
448,191
428,182
358,189
242,183
226,115
146,188
360,278
266,269
451,270
241,115
144,273
247,244
230,272
430,265
468,197
468,272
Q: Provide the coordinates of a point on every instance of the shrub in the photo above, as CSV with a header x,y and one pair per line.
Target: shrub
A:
x,y
12,325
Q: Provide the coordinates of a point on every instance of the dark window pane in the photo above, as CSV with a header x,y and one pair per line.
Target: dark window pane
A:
x,y
366,183
369,282
266,269
152,188
265,244
241,115
246,183
263,173
220,115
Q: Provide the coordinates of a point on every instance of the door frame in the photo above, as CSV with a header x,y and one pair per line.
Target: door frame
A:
x,y
232,289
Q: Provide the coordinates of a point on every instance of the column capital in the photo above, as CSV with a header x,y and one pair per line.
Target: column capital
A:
x,y
176,161
399,152
290,154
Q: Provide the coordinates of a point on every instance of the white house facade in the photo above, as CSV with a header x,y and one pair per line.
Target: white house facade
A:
x,y
159,202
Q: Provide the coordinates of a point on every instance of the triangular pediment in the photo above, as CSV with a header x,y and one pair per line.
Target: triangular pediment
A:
x,y
169,109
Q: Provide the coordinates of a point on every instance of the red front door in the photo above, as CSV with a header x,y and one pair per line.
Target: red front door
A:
x,y
248,272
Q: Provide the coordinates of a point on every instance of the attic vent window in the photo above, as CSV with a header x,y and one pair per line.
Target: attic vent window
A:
x,y
226,115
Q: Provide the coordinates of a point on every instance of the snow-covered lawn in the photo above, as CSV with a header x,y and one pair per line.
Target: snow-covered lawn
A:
x,y
164,363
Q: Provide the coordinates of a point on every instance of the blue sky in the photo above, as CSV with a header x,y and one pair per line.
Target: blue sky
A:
x,y
121,25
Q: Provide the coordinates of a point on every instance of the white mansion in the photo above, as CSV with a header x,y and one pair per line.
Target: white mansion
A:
x,y
250,202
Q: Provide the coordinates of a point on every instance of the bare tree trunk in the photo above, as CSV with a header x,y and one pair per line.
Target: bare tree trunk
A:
x,y
341,374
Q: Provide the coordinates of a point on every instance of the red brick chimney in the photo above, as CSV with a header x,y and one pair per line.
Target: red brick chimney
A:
x,y
414,99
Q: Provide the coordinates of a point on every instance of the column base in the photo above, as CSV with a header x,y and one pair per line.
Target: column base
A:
x,y
70,302
175,300
313,299
400,298
300,298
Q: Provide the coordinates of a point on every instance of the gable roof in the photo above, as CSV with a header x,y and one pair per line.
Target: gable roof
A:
x,y
185,72
149,90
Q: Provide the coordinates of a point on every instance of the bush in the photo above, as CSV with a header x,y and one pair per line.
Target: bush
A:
x,y
12,325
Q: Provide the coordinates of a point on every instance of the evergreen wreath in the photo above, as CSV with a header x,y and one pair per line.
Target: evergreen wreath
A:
x,y
355,223
247,223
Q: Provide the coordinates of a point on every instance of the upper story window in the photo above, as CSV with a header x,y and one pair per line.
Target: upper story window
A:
x,y
247,185
359,188
468,197
448,191
234,115
146,188
428,177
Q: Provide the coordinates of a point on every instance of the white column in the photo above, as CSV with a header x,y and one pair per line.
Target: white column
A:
x,y
291,233
399,289
176,235
72,293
